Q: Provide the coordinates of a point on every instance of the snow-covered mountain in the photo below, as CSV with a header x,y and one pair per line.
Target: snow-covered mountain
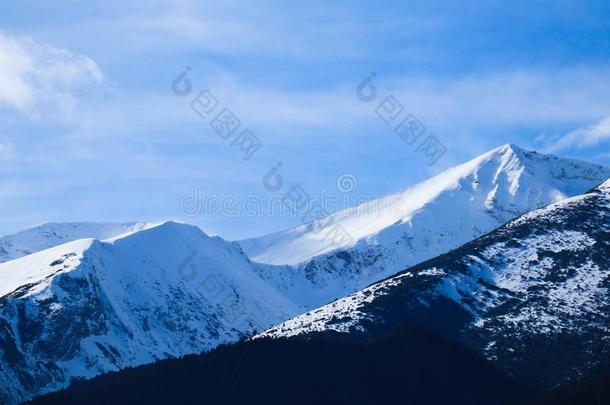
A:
x,y
422,222
88,306
533,296
53,234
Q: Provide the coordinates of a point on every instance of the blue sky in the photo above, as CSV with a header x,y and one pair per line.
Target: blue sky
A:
x,y
91,131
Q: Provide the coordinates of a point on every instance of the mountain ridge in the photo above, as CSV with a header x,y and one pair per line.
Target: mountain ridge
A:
x,y
436,216
52,234
531,296
88,307
509,157
200,291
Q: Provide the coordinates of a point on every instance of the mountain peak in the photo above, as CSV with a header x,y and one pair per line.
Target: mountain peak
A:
x,y
513,295
605,186
161,228
512,156
52,234
496,186
98,306
507,148
511,147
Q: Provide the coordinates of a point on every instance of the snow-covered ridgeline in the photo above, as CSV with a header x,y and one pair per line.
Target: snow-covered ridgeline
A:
x,y
422,222
517,295
89,307
53,234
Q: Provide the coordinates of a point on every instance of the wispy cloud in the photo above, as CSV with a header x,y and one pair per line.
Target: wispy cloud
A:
x,y
509,97
472,103
584,137
35,77
476,76
229,28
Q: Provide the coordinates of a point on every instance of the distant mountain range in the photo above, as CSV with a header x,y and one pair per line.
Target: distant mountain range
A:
x,y
422,222
532,297
407,366
504,319
88,307
53,234
79,300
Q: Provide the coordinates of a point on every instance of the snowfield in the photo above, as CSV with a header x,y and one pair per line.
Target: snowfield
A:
x,y
53,234
532,296
78,300
89,307
422,222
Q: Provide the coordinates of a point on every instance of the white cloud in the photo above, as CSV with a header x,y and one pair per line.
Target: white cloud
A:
x,y
495,100
35,77
229,27
508,98
587,136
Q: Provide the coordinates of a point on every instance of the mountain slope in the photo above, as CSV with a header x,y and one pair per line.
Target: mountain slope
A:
x,y
424,221
533,296
53,234
412,366
89,307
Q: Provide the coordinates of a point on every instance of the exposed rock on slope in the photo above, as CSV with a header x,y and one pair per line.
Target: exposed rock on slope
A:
x,y
532,296
89,307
